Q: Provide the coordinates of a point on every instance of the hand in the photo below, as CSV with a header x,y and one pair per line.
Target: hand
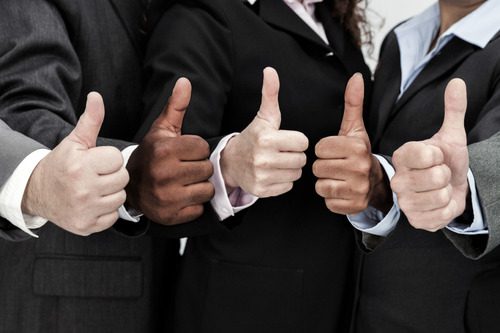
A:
x,y
264,160
169,171
77,186
349,175
431,175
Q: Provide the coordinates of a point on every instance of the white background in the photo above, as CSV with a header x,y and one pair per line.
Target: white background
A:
x,y
385,14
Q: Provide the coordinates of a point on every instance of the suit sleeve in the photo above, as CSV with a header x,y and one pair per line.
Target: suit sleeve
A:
x,y
484,158
192,41
40,81
14,147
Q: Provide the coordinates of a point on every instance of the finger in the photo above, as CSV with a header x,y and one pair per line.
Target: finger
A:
x,y
454,111
417,155
275,190
199,193
269,108
191,148
280,176
173,115
285,160
421,180
114,182
433,220
341,147
337,189
291,141
105,222
187,214
185,173
352,121
87,129
104,160
343,169
425,201
343,207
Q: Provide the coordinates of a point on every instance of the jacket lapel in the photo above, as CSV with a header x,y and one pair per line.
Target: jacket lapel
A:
x,y
344,48
450,57
386,88
279,15
131,13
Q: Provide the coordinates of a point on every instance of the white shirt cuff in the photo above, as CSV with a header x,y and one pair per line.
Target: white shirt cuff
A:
x,y
131,214
221,202
373,221
478,225
12,193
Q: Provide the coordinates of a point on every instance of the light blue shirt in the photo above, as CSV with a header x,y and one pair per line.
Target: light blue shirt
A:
x,y
414,38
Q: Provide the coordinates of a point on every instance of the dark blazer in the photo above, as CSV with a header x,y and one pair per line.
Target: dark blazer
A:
x,y
14,147
284,264
52,53
416,281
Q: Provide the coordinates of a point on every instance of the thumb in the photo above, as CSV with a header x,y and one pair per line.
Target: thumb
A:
x,y
87,129
269,107
352,121
173,115
455,106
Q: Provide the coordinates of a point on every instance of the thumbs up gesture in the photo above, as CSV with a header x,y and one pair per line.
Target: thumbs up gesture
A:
x,y
431,175
264,160
349,175
169,171
77,186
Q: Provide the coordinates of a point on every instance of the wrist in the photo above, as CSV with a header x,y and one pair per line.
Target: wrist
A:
x,y
226,164
31,203
381,193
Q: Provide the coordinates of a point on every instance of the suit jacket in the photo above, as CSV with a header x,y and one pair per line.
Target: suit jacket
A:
x,y
52,53
284,264
415,280
14,147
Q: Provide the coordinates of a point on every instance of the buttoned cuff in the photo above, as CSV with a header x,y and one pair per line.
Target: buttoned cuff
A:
x,y
373,221
224,204
478,225
12,193
130,214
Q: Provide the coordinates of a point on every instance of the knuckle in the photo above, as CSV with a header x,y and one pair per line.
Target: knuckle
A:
x,y
122,197
443,196
260,161
159,149
297,175
396,183
363,188
397,158
446,214
264,140
359,147
302,160
317,168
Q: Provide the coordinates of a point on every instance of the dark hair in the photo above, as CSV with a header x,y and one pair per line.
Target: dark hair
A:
x,y
352,15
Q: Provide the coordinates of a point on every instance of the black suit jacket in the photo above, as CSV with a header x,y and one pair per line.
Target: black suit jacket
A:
x,y
52,53
284,264
419,281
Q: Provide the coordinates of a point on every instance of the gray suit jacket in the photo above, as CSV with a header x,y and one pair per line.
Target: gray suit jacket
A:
x,y
52,53
484,159
14,147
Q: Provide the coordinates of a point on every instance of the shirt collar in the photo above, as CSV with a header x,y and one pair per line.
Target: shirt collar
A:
x,y
477,28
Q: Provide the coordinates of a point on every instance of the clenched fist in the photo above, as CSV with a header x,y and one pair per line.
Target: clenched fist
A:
x,y
79,186
431,175
350,177
264,160
169,171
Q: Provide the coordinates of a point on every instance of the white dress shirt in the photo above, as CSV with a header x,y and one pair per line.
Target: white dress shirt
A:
x,y
414,38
